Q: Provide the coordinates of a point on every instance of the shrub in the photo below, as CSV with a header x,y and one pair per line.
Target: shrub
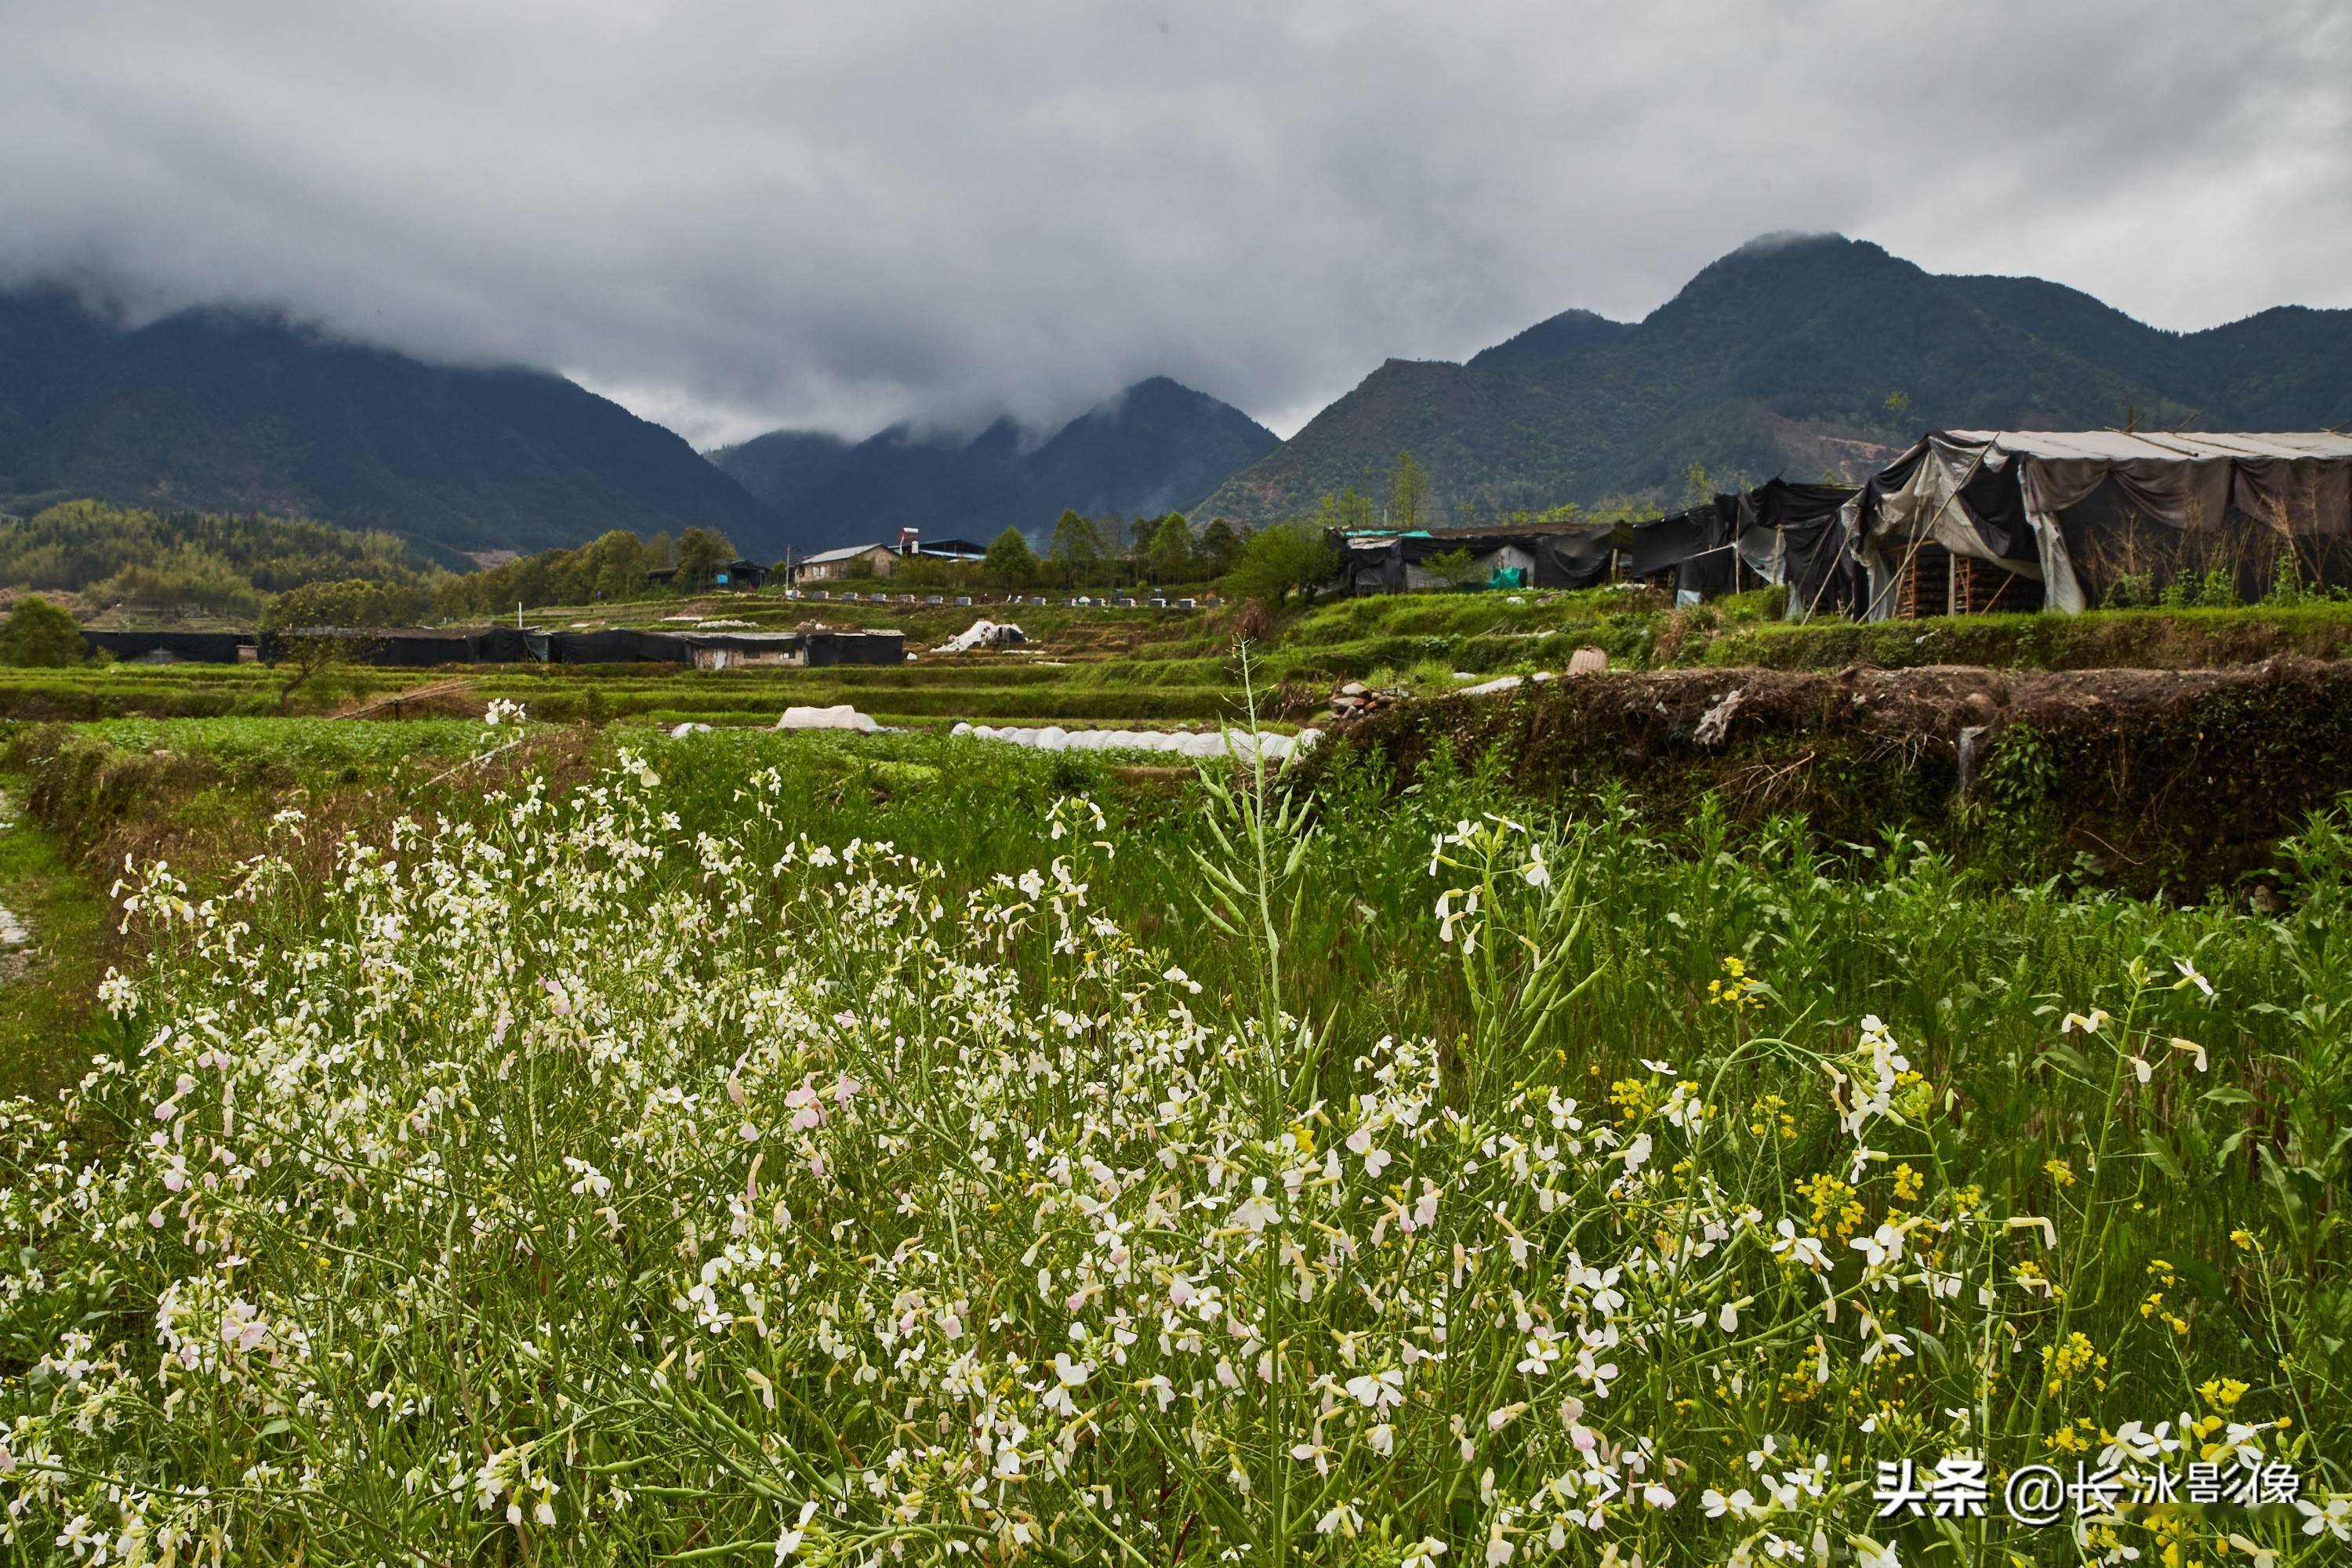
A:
x,y
39,635
1279,560
353,602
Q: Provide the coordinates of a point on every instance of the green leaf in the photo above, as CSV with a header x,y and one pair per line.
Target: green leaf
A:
x,y
2161,1157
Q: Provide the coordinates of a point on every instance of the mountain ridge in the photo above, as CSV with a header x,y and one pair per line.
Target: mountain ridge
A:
x,y
1780,357
1155,446
224,410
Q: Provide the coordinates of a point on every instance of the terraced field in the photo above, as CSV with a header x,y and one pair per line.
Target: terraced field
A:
x,y
1085,665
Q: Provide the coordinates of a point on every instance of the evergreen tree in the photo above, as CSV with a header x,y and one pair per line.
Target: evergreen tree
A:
x,y
1076,548
701,556
1009,562
1138,540
1171,554
1219,545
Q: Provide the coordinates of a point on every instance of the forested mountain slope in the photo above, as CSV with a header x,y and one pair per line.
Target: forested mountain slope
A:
x,y
1799,357
232,412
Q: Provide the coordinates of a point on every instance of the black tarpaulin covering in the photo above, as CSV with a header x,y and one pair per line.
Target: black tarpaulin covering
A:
x,y
1370,566
857,647
593,647
2114,516
1939,492
167,647
1693,545
2124,551
1795,534
1996,508
507,644
622,647
501,645
1576,557
389,649
2120,515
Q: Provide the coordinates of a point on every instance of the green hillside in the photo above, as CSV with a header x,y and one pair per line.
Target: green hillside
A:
x,y
1798,357
221,412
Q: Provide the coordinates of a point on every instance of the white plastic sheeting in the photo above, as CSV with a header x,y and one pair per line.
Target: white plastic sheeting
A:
x,y
1203,745
842,715
984,633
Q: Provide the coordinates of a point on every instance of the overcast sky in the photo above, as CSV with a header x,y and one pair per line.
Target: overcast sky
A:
x,y
733,215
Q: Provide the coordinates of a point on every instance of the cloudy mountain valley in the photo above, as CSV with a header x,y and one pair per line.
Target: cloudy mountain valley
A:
x,y
1348,785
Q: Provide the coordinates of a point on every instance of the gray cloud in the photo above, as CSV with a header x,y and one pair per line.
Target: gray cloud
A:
x,y
736,214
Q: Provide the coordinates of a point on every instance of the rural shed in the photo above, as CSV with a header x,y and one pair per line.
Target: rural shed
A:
x,y
170,647
815,647
1692,552
1795,534
1376,562
621,645
2090,518
500,645
830,647
745,650
407,648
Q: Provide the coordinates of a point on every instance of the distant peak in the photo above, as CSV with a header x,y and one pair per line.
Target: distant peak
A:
x,y
1790,249
1158,389
1161,396
1771,271
1563,333
1781,239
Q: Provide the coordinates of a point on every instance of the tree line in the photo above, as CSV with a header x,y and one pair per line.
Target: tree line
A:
x,y
613,568
225,565
255,568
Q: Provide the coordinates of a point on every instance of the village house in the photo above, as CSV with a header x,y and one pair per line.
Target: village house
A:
x,y
834,566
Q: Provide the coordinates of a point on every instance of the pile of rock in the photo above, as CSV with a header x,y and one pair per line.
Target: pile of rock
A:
x,y
1354,700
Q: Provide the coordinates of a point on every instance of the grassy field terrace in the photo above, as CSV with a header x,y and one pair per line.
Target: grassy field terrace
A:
x,y
1100,665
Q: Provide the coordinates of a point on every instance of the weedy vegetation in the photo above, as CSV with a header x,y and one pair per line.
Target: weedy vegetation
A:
x,y
898,1150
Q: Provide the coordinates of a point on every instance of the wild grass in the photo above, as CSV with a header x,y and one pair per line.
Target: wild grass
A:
x,y
47,982
2099,640
795,1148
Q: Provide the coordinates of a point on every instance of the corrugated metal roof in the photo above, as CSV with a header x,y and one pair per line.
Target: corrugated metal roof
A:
x,y
2190,446
845,553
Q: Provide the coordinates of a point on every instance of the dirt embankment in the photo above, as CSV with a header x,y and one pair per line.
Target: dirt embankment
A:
x,y
2148,778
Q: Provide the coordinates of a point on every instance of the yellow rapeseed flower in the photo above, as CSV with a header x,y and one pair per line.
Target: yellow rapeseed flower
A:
x,y
2221,1393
